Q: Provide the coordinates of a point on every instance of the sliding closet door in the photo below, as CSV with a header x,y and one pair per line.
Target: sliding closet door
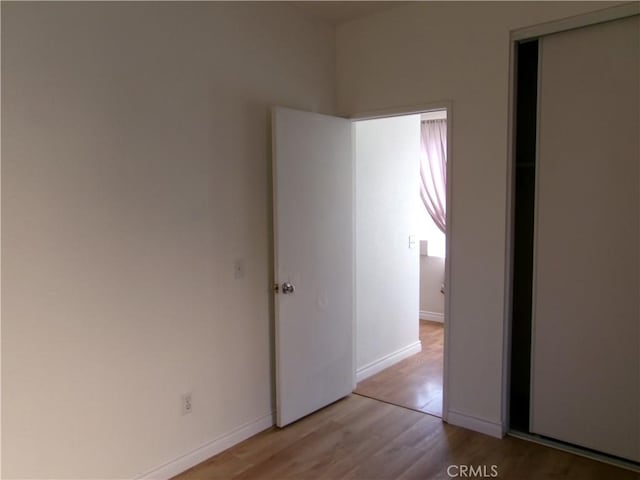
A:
x,y
586,307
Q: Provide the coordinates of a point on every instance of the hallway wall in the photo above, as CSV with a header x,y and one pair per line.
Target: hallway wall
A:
x,y
387,269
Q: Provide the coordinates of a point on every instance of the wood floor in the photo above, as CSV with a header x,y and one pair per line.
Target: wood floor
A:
x,y
415,382
361,438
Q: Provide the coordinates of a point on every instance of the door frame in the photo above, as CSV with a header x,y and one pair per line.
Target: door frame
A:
x,y
446,105
516,36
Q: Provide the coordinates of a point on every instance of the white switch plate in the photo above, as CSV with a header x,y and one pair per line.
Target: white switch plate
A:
x,y
412,241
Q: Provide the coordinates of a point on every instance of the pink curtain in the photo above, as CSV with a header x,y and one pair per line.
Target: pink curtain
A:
x,y
433,170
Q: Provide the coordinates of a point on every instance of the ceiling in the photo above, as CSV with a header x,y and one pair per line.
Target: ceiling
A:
x,y
340,12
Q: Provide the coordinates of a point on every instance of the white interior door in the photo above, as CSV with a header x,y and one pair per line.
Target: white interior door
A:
x,y
585,355
313,223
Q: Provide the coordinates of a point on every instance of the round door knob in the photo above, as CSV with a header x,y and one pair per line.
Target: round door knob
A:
x,y
288,288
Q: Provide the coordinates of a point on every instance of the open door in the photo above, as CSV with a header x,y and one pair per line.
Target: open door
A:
x,y
313,228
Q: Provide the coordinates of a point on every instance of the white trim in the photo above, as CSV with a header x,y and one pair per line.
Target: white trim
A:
x,y
509,241
354,262
476,424
275,298
447,266
388,360
578,21
432,316
406,110
209,449
434,115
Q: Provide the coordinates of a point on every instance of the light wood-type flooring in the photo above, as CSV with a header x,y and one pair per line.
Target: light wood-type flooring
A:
x,y
415,382
361,438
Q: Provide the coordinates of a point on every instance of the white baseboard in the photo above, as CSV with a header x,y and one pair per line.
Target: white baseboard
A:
x,y
209,449
476,424
388,360
433,316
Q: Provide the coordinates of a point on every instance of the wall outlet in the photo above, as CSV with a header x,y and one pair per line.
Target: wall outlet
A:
x,y
187,404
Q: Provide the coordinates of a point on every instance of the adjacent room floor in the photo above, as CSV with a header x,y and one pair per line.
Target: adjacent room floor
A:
x,y
361,438
415,382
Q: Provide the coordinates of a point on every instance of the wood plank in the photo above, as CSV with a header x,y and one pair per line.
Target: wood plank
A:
x,y
415,382
360,438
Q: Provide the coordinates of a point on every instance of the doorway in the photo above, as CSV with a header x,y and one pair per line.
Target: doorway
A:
x,y
317,304
400,258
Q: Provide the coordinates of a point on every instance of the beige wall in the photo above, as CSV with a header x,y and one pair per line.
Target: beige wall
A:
x,y
458,52
136,169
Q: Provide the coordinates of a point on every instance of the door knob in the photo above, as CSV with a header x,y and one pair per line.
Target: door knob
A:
x,y
288,288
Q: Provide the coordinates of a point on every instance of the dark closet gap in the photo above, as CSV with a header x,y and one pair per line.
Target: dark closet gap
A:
x,y
526,101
